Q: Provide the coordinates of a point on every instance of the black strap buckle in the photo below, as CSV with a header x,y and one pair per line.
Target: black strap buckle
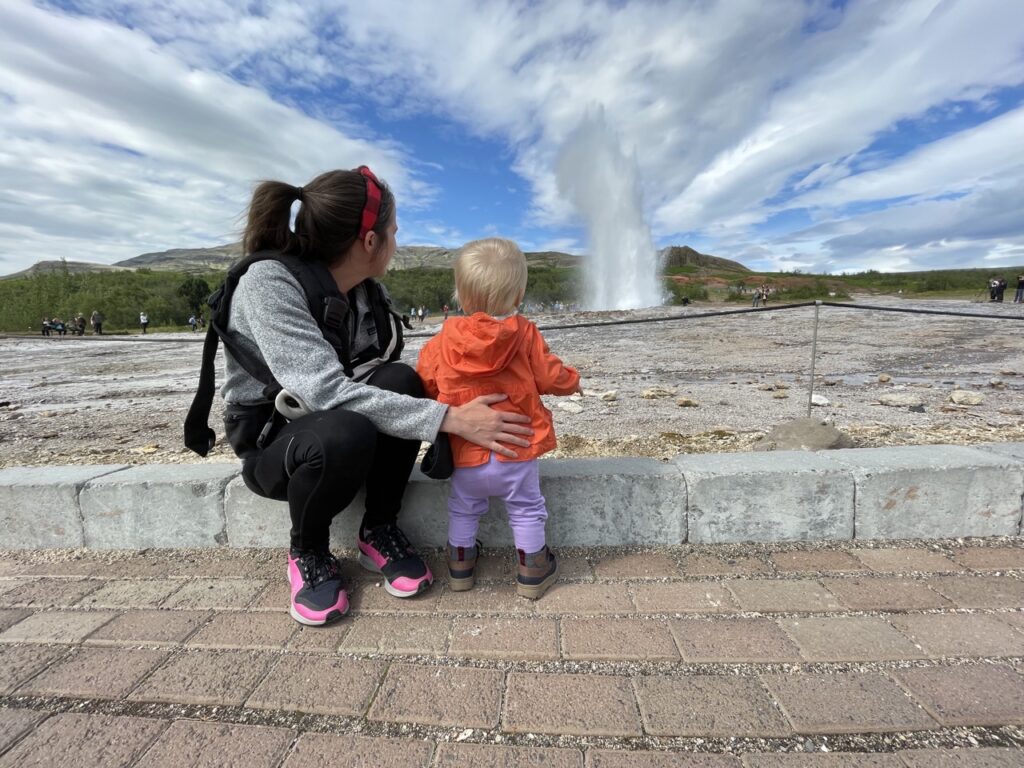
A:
x,y
335,311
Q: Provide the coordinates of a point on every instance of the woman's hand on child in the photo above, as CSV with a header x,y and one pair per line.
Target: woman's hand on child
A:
x,y
477,422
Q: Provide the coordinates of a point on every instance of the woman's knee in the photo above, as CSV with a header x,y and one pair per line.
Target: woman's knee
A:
x,y
398,377
333,439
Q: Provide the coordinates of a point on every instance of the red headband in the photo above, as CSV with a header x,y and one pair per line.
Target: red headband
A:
x,y
372,207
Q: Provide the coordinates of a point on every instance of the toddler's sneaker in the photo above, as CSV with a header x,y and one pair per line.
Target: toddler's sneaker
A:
x,y
385,550
461,567
317,594
537,572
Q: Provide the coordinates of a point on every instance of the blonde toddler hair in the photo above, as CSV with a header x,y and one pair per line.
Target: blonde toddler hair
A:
x,y
490,276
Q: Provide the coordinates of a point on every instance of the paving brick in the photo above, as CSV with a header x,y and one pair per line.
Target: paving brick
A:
x,y
131,593
583,599
205,677
245,630
682,597
960,634
849,638
498,756
636,565
319,684
46,593
505,638
607,758
618,639
733,640
229,594
276,597
905,560
971,694
981,591
19,662
327,638
991,558
11,616
885,594
189,743
85,740
823,560
834,760
448,696
846,702
151,627
713,565
580,705
372,597
94,673
783,596
985,757
397,634
708,706
15,722
574,568
56,626
328,750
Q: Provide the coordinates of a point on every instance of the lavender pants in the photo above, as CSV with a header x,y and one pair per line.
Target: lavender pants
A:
x,y
517,483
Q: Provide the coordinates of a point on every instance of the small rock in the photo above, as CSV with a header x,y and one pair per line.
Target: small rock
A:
x,y
780,395
610,396
575,397
917,408
807,434
884,378
766,387
570,407
656,392
685,402
966,397
780,385
900,399
820,401
997,384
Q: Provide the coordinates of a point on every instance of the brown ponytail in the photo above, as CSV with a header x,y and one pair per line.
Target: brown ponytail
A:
x,y
328,219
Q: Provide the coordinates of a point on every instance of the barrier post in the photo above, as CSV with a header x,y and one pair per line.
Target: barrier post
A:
x,y
814,354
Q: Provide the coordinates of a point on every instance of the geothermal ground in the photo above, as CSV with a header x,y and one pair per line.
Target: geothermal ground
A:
x,y
653,389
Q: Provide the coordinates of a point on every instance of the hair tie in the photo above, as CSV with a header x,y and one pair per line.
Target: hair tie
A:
x,y
368,219
298,194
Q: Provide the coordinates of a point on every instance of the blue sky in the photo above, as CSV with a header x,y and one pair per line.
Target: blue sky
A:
x,y
812,135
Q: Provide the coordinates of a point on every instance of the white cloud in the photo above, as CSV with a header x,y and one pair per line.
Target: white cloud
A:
x,y
727,106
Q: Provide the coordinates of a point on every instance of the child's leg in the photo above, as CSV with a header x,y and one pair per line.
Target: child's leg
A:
x,y
527,511
467,503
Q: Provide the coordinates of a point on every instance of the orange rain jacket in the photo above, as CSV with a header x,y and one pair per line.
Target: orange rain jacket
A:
x,y
480,355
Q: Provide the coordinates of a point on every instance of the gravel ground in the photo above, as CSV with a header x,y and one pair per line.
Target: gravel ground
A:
x,y
697,386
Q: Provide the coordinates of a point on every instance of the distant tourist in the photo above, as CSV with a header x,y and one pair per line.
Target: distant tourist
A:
x,y
193,322
1018,298
1001,290
96,319
80,324
143,321
993,289
46,326
58,327
445,309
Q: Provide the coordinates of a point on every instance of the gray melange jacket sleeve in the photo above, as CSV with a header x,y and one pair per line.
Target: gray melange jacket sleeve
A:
x,y
269,310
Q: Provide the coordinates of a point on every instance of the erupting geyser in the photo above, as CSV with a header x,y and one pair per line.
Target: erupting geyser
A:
x,y
620,271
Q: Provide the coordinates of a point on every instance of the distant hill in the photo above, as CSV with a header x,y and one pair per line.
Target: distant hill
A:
x,y
683,255
220,257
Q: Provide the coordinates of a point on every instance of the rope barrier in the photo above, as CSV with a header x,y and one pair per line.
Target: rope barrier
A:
x,y
602,323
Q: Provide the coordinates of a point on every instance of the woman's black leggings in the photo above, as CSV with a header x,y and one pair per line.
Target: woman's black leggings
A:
x,y
319,462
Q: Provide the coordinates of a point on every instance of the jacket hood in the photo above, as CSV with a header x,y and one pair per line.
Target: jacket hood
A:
x,y
480,345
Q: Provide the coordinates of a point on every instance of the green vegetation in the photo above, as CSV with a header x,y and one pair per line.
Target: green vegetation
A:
x,y
119,297
170,297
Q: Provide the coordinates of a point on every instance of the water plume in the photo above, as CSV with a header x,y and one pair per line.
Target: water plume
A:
x,y
603,185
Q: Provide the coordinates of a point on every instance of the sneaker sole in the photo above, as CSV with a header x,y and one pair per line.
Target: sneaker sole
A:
x,y
463,584
367,562
535,591
332,617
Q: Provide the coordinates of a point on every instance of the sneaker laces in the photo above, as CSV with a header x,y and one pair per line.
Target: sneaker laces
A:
x,y
389,540
318,567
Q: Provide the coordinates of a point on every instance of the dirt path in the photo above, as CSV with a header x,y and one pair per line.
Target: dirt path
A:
x,y
115,401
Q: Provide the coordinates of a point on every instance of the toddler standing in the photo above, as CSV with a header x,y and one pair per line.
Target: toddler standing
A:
x,y
495,350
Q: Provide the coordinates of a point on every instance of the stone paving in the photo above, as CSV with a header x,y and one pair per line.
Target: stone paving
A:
x,y
895,655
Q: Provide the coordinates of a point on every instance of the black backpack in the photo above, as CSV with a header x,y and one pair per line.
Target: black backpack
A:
x,y
327,305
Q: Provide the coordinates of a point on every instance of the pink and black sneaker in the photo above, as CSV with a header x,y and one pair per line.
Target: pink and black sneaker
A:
x,y
385,550
317,594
